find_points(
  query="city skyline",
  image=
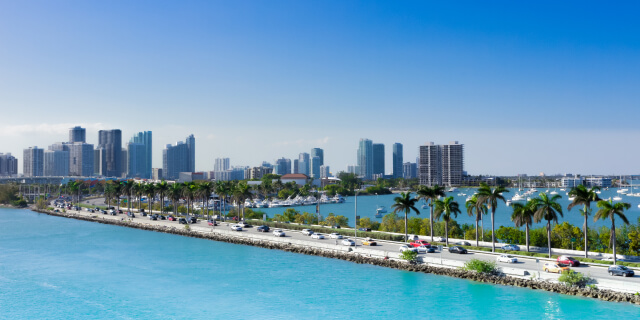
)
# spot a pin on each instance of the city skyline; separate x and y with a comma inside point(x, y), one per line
point(255, 81)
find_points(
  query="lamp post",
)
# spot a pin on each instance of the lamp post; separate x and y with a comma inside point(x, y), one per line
point(355, 217)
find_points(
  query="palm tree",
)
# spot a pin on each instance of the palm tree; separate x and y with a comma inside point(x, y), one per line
point(117, 192)
point(490, 197)
point(221, 189)
point(150, 191)
point(175, 193)
point(241, 192)
point(162, 187)
point(206, 188)
point(189, 192)
point(610, 210)
point(138, 190)
point(430, 194)
point(127, 189)
point(405, 203)
point(523, 216)
point(74, 187)
point(548, 209)
point(444, 209)
point(475, 209)
point(109, 192)
point(584, 196)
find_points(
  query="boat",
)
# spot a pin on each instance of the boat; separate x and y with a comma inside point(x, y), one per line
point(378, 215)
point(517, 197)
point(337, 199)
point(508, 203)
point(617, 198)
point(452, 189)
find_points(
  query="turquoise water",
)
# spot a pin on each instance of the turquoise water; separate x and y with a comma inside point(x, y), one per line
point(367, 208)
point(58, 268)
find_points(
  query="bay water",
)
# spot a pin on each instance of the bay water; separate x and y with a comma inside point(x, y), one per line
point(58, 268)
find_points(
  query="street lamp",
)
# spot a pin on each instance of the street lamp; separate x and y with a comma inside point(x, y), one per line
point(355, 216)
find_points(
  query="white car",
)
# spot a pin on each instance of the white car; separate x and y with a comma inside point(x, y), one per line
point(335, 236)
point(462, 243)
point(236, 227)
point(439, 239)
point(317, 236)
point(307, 232)
point(511, 247)
point(278, 233)
point(406, 247)
point(507, 258)
point(421, 249)
point(348, 242)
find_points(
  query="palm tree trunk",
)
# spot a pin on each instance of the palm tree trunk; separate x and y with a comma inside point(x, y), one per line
point(406, 236)
point(527, 235)
point(446, 232)
point(613, 237)
point(549, 236)
point(477, 243)
point(481, 228)
point(431, 217)
point(493, 233)
point(586, 230)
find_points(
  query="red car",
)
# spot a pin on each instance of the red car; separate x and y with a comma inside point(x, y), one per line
point(171, 218)
point(568, 261)
point(419, 243)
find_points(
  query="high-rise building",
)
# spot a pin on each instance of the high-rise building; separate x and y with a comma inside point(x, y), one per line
point(304, 163)
point(378, 158)
point(221, 164)
point(365, 159)
point(81, 159)
point(325, 172)
point(409, 170)
point(282, 167)
point(111, 158)
point(33, 162)
point(77, 134)
point(56, 163)
point(125, 162)
point(145, 138)
point(136, 160)
point(441, 164)
point(157, 174)
point(352, 169)
point(296, 164)
point(191, 148)
point(178, 158)
point(317, 160)
point(8, 165)
point(315, 167)
point(397, 160)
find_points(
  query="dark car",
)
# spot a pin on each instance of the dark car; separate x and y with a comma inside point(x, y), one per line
point(161, 217)
point(457, 249)
point(263, 229)
point(182, 221)
point(144, 214)
point(142, 210)
point(365, 229)
point(212, 222)
point(193, 220)
point(153, 217)
point(568, 261)
point(171, 218)
point(131, 214)
point(119, 211)
point(431, 249)
point(620, 271)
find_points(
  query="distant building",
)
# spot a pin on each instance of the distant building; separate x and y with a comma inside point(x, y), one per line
point(315, 167)
point(256, 172)
point(296, 163)
point(409, 170)
point(157, 174)
point(56, 163)
point(317, 152)
point(325, 172)
point(365, 159)
point(110, 141)
point(282, 166)
point(191, 176)
point(598, 182)
point(144, 164)
point(81, 159)
point(77, 134)
point(8, 165)
point(33, 162)
point(352, 169)
point(221, 164)
point(378, 158)
point(397, 160)
point(178, 158)
point(441, 164)
point(304, 164)
point(299, 178)
point(137, 160)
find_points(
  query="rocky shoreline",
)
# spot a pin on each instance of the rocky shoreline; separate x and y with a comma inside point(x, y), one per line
point(606, 295)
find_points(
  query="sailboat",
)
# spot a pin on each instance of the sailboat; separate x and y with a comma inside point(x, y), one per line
point(380, 209)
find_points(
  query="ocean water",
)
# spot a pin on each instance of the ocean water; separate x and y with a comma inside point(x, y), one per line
point(367, 208)
point(57, 268)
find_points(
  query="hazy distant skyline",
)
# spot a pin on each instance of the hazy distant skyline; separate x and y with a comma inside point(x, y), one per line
point(527, 88)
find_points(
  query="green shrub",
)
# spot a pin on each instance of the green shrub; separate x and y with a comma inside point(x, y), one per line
point(409, 255)
point(572, 278)
point(481, 266)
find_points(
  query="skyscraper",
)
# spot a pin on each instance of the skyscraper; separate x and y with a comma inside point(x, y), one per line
point(317, 152)
point(296, 165)
point(221, 164)
point(8, 165)
point(137, 160)
point(441, 164)
point(146, 139)
point(111, 143)
point(33, 162)
point(397, 160)
point(77, 134)
point(315, 167)
point(378, 158)
point(365, 159)
point(178, 158)
point(56, 163)
point(282, 166)
point(81, 159)
point(304, 163)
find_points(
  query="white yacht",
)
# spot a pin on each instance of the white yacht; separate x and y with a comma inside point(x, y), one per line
point(517, 197)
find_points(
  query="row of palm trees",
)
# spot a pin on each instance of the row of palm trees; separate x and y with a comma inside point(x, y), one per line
point(544, 207)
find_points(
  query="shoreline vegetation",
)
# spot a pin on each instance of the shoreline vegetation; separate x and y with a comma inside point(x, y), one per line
point(605, 295)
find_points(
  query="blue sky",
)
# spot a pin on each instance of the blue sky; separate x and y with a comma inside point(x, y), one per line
point(528, 88)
